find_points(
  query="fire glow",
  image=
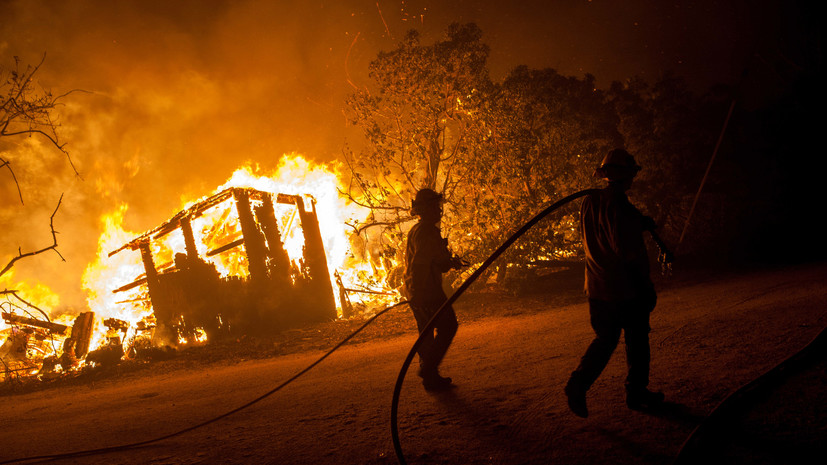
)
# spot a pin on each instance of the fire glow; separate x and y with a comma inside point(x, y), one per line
point(118, 282)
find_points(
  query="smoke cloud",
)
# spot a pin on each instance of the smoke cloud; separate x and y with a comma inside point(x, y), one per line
point(175, 96)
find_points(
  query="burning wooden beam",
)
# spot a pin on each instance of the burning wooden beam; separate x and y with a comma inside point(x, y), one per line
point(11, 318)
point(81, 334)
point(225, 247)
point(253, 239)
point(279, 261)
point(129, 286)
point(316, 260)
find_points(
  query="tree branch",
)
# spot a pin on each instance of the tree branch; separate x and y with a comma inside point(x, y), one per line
point(369, 206)
point(21, 255)
point(7, 164)
point(27, 109)
point(364, 227)
point(13, 293)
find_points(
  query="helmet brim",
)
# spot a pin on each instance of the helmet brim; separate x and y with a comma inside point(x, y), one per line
point(616, 172)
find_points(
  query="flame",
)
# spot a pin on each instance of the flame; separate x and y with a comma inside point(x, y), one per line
point(38, 294)
point(318, 184)
point(103, 275)
point(295, 175)
point(353, 265)
point(20, 352)
point(298, 176)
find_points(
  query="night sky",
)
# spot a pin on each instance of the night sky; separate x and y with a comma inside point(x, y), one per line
point(180, 93)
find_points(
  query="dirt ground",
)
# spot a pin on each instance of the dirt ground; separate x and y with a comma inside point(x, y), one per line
point(712, 332)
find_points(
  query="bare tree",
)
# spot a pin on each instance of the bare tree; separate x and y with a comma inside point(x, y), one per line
point(27, 109)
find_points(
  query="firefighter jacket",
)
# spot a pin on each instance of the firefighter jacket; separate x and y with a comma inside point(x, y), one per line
point(617, 263)
point(426, 258)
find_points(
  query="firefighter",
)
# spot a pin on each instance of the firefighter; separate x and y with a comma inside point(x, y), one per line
point(620, 292)
point(426, 258)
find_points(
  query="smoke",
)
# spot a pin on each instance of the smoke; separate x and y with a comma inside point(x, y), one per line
point(174, 97)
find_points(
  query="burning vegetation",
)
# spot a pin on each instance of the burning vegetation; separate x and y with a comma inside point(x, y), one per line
point(260, 255)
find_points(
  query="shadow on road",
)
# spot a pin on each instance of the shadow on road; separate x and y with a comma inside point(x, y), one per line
point(675, 412)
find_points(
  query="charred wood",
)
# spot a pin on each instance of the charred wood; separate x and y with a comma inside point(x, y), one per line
point(226, 247)
point(253, 239)
point(316, 261)
point(279, 261)
point(82, 333)
point(21, 320)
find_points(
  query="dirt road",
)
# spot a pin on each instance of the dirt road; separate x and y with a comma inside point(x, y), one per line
point(709, 337)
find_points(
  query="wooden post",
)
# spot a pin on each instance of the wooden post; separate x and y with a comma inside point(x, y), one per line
point(189, 239)
point(314, 257)
point(279, 261)
point(253, 239)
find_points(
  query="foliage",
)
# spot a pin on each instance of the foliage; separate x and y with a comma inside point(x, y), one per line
point(501, 151)
point(421, 123)
point(671, 131)
point(546, 127)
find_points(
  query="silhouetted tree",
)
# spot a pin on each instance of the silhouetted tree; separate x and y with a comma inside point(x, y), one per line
point(26, 109)
point(672, 132)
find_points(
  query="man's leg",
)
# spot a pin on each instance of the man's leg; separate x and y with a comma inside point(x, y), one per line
point(446, 328)
point(638, 357)
point(425, 349)
point(432, 348)
point(607, 334)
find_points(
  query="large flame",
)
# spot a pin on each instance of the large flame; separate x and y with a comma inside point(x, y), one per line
point(359, 280)
point(104, 274)
point(294, 175)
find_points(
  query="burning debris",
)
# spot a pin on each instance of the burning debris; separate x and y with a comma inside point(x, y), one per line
point(30, 347)
point(247, 260)
point(259, 289)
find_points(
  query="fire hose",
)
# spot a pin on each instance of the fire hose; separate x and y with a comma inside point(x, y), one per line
point(429, 327)
point(104, 450)
point(665, 258)
point(405, 365)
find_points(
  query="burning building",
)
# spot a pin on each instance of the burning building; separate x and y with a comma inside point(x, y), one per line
point(262, 253)
point(260, 289)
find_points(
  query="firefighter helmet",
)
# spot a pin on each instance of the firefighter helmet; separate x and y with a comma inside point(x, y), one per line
point(617, 165)
point(424, 198)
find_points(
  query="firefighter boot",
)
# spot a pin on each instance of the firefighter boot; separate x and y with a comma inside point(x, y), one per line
point(433, 381)
point(576, 394)
point(437, 383)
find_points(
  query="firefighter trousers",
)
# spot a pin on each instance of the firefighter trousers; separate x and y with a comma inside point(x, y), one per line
point(608, 319)
point(434, 344)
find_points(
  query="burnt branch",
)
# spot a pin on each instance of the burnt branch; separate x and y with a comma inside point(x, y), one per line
point(13, 293)
point(7, 164)
point(359, 229)
point(21, 255)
